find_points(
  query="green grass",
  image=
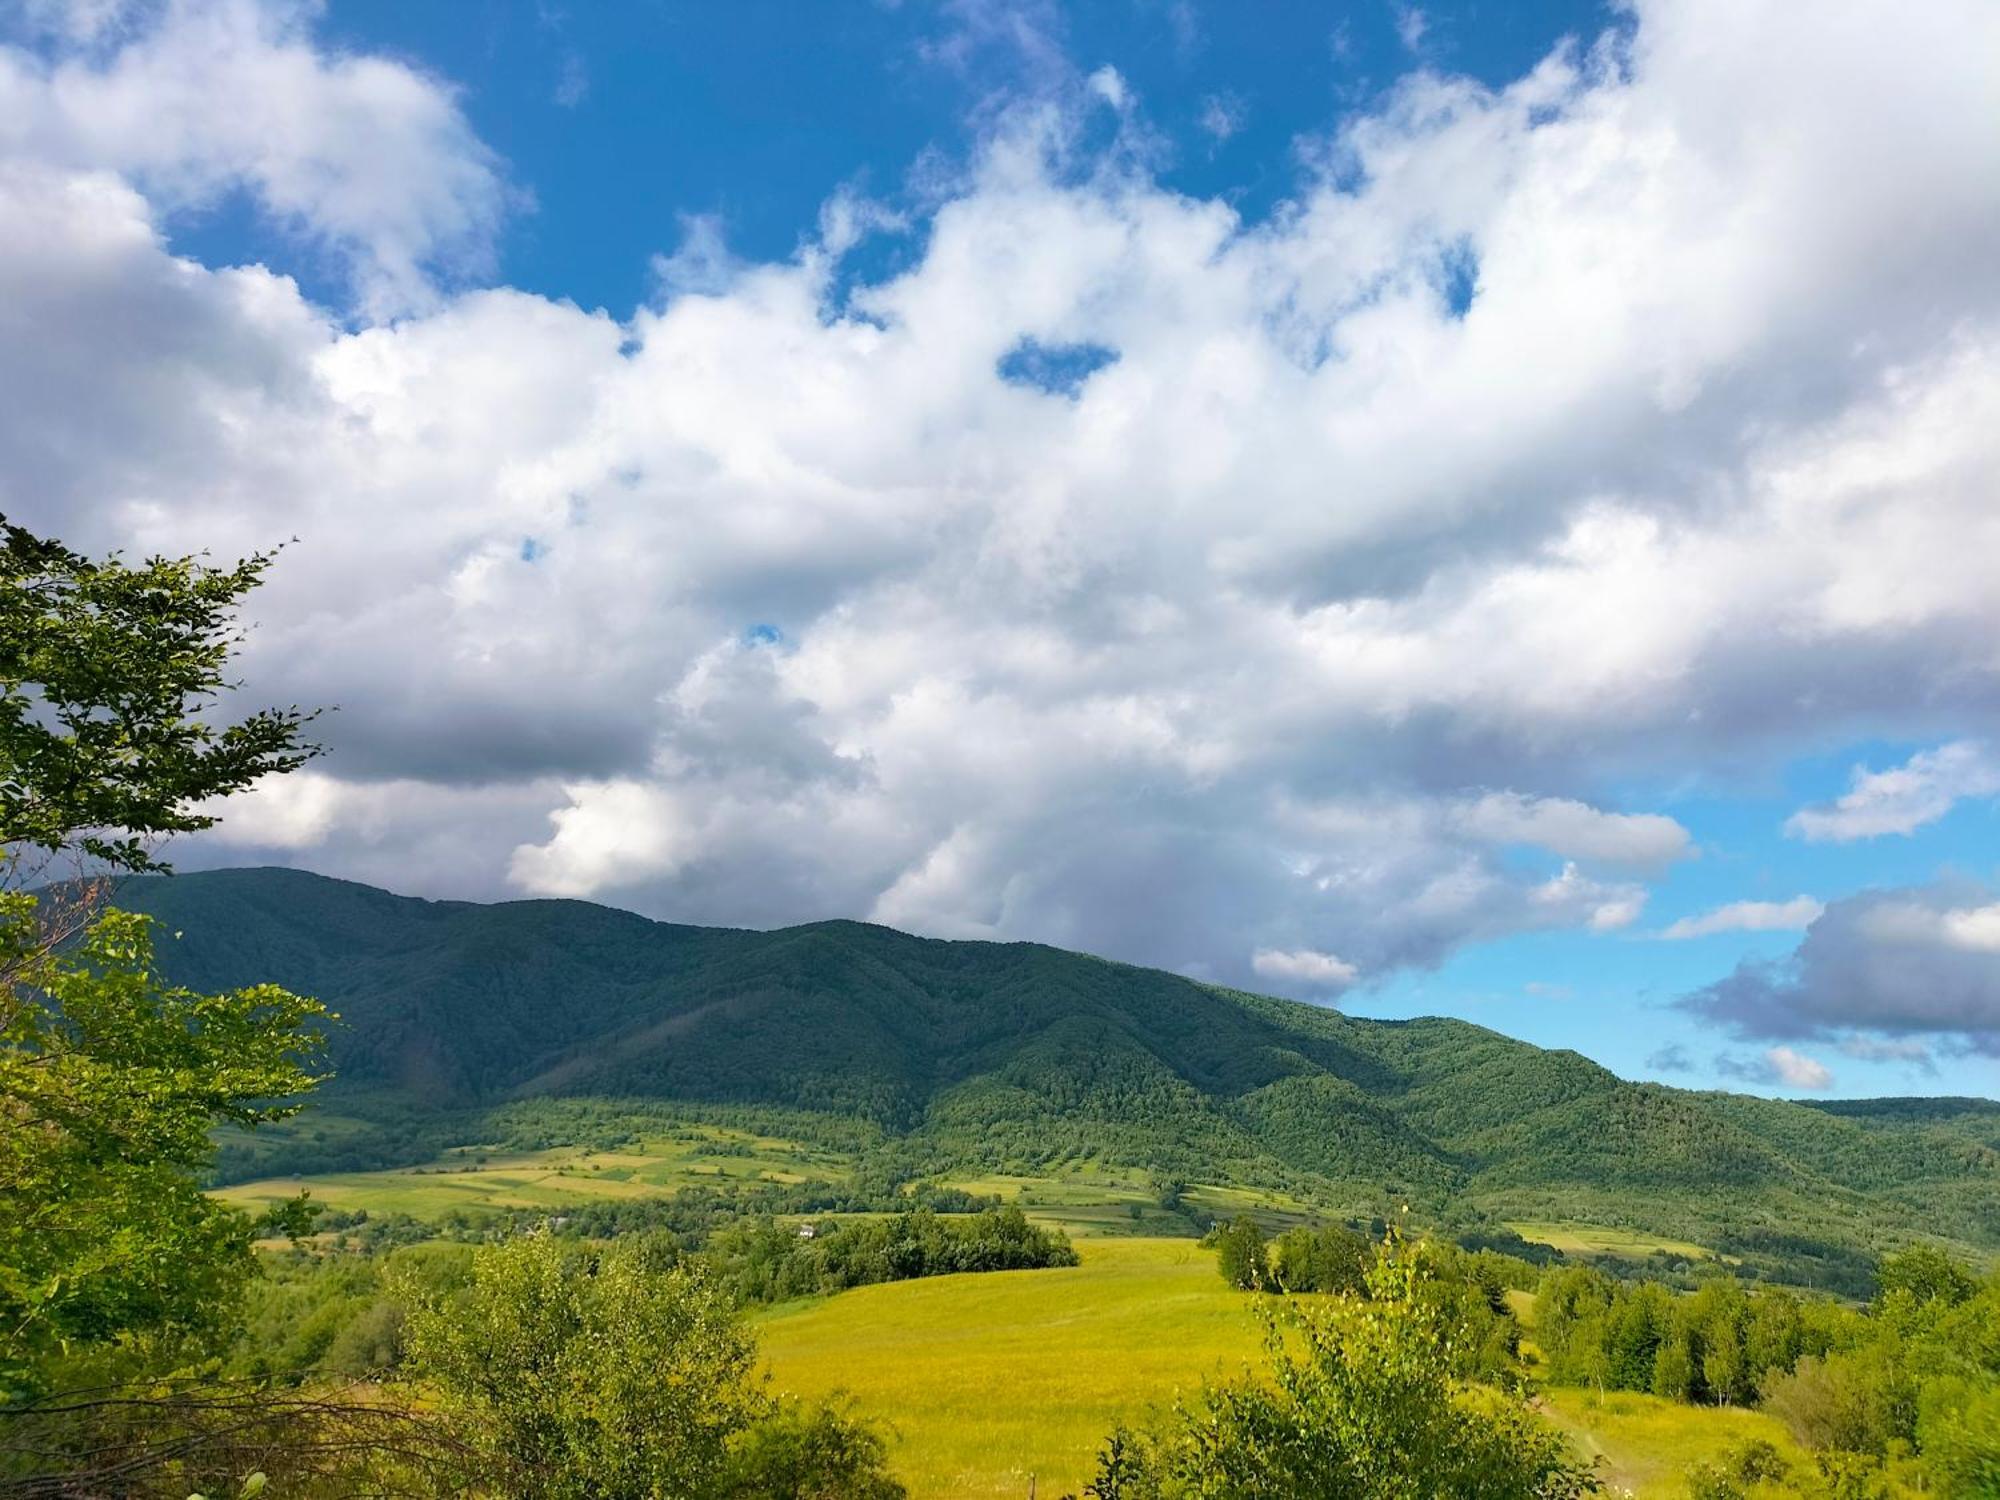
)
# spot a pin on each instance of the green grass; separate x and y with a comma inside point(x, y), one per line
point(1645, 1444)
point(1592, 1239)
point(1088, 1199)
point(988, 1380)
point(472, 1177)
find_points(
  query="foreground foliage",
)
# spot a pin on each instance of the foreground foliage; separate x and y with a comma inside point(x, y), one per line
point(1361, 1401)
point(1902, 1395)
point(107, 669)
point(583, 1373)
point(111, 1258)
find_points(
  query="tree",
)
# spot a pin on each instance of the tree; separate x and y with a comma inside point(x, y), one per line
point(1358, 1403)
point(1240, 1253)
point(114, 1267)
point(1924, 1274)
point(621, 1373)
point(108, 672)
point(110, 1082)
point(801, 1452)
point(1330, 1259)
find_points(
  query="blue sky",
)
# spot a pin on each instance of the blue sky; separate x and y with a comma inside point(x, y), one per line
point(624, 120)
point(1457, 508)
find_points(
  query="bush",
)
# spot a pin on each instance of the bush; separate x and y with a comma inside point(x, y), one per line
point(585, 1374)
point(1359, 1402)
point(807, 1453)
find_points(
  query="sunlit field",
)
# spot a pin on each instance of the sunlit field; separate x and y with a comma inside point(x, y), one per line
point(472, 1177)
point(989, 1381)
point(1590, 1239)
point(1645, 1444)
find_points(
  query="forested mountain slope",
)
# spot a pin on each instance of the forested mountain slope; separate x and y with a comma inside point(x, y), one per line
point(1013, 1055)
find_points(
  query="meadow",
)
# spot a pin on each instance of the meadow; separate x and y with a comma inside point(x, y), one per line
point(992, 1384)
point(1644, 1444)
point(1591, 1240)
point(995, 1382)
point(475, 1177)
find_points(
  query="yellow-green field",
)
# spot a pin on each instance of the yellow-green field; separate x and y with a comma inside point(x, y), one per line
point(471, 1177)
point(1590, 1239)
point(1084, 1198)
point(988, 1381)
point(1087, 1199)
point(1644, 1444)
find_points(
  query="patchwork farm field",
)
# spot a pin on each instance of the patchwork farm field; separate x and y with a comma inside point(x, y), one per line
point(475, 1177)
point(1588, 1240)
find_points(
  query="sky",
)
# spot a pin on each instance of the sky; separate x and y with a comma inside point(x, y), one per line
point(1487, 510)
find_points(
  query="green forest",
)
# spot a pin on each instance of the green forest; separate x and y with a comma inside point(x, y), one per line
point(928, 1059)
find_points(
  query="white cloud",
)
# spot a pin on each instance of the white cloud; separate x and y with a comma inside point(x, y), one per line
point(1797, 1071)
point(363, 156)
point(1290, 632)
point(1777, 1067)
point(1306, 967)
point(1968, 929)
point(1222, 115)
point(1794, 915)
point(280, 812)
point(1575, 829)
point(1904, 798)
point(1110, 86)
point(610, 831)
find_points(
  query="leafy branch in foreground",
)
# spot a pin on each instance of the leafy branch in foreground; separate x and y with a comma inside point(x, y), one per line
point(107, 669)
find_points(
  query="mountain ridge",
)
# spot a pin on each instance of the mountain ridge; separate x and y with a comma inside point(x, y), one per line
point(1011, 1055)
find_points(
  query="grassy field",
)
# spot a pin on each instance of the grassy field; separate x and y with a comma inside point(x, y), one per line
point(1088, 1199)
point(1084, 1199)
point(1590, 1239)
point(990, 1380)
point(474, 1177)
point(1644, 1444)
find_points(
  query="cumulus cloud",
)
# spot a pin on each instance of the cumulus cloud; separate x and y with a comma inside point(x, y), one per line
point(1322, 617)
point(363, 157)
point(1304, 966)
point(1904, 798)
point(1644, 841)
point(1895, 963)
point(1794, 915)
point(1777, 1067)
